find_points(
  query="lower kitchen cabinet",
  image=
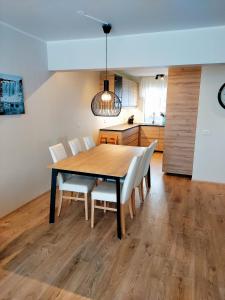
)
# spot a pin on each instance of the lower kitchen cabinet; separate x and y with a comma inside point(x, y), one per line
point(128, 137)
point(133, 135)
point(150, 133)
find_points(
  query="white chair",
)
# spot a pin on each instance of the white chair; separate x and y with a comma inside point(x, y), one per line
point(148, 161)
point(106, 191)
point(88, 142)
point(75, 146)
point(143, 170)
point(71, 183)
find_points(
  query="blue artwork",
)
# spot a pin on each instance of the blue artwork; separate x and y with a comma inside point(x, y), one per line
point(11, 95)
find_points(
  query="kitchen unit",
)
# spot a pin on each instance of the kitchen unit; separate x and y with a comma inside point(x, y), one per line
point(139, 134)
point(150, 133)
point(181, 117)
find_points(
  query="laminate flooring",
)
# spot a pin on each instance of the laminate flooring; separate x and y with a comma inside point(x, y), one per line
point(174, 247)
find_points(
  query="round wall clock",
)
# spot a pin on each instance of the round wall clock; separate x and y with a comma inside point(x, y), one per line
point(221, 96)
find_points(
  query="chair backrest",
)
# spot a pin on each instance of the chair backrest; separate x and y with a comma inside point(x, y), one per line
point(151, 150)
point(58, 153)
point(128, 184)
point(144, 164)
point(139, 174)
point(75, 146)
point(88, 142)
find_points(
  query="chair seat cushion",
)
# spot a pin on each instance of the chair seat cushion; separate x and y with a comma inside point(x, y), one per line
point(113, 180)
point(79, 184)
point(105, 191)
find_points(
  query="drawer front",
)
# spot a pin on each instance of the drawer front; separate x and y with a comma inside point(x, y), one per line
point(161, 132)
point(149, 132)
point(145, 142)
point(133, 143)
point(160, 146)
point(130, 132)
point(131, 138)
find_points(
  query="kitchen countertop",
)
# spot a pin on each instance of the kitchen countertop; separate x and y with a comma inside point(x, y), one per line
point(123, 127)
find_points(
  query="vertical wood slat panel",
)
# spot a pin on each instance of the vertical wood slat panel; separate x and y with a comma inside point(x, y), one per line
point(182, 108)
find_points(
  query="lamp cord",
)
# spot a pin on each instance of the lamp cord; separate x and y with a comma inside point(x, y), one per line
point(106, 52)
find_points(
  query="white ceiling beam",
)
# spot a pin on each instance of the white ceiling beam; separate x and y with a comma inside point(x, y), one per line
point(183, 47)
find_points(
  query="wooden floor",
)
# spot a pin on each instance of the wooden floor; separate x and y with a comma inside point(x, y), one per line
point(174, 249)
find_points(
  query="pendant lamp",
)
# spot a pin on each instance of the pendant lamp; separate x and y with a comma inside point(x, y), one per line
point(106, 103)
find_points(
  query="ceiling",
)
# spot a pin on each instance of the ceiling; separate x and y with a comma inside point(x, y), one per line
point(142, 72)
point(58, 19)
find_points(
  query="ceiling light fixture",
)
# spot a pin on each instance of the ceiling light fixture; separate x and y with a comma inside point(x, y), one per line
point(160, 76)
point(106, 103)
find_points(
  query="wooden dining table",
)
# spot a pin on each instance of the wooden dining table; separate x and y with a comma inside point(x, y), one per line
point(103, 161)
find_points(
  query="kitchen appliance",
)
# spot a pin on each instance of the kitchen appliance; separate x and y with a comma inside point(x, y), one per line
point(131, 120)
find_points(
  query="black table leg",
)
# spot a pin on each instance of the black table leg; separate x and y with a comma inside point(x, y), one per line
point(118, 208)
point(149, 177)
point(52, 199)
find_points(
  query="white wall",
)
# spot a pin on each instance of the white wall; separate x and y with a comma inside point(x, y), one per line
point(20, 175)
point(209, 157)
point(183, 47)
point(57, 108)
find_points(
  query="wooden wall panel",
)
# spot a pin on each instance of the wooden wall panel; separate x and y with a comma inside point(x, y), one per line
point(182, 107)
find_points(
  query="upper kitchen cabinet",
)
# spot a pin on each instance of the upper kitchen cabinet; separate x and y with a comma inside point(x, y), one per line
point(129, 93)
point(125, 88)
point(181, 118)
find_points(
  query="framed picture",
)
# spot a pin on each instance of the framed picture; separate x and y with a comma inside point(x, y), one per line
point(11, 95)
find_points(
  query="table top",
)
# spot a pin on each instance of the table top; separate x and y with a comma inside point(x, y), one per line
point(105, 159)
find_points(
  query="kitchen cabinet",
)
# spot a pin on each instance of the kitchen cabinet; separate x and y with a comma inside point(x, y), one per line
point(150, 133)
point(126, 89)
point(181, 117)
point(134, 135)
point(125, 134)
point(129, 93)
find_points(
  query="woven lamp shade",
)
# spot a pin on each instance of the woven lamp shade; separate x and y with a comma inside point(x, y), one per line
point(104, 108)
point(106, 103)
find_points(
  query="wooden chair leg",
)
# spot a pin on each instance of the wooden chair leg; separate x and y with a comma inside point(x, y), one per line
point(122, 212)
point(60, 202)
point(86, 206)
point(92, 213)
point(133, 202)
point(130, 208)
point(104, 206)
